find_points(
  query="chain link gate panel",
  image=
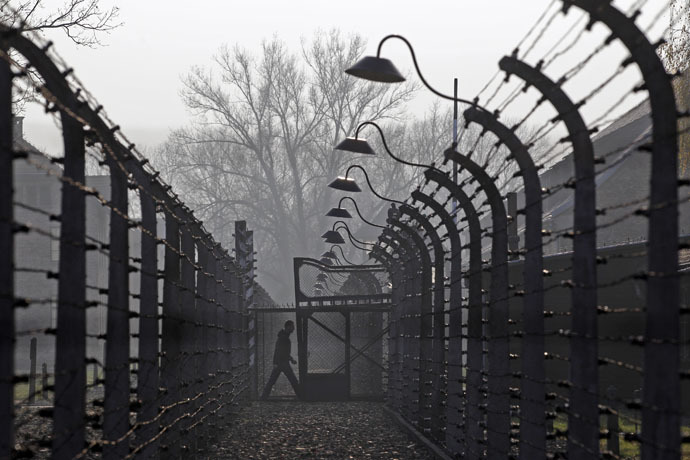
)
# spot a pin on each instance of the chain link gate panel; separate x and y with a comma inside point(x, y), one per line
point(270, 320)
point(342, 316)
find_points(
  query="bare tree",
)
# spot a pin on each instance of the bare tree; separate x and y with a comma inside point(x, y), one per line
point(261, 144)
point(83, 21)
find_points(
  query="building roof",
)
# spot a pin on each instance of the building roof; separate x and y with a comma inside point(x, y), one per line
point(615, 142)
point(40, 162)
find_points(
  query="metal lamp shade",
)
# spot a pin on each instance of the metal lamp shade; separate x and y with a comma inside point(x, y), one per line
point(326, 261)
point(321, 277)
point(354, 145)
point(346, 185)
point(376, 69)
point(335, 239)
point(339, 212)
point(318, 286)
point(329, 254)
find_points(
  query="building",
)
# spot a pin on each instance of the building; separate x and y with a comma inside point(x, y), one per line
point(37, 189)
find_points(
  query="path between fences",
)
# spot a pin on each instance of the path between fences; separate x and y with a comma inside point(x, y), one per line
point(328, 430)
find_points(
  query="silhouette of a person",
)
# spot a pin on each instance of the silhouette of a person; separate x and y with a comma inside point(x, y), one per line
point(282, 360)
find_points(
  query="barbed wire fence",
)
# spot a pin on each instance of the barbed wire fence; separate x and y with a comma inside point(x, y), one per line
point(139, 317)
point(514, 334)
point(564, 335)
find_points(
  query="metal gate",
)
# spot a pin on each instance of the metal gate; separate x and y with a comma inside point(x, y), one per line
point(342, 320)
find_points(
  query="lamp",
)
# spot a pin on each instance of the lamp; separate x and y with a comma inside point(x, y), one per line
point(329, 233)
point(340, 208)
point(376, 69)
point(347, 185)
point(339, 212)
point(355, 145)
point(335, 240)
point(344, 184)
point(382, 70)
point(326, 261)
point(318, 286)
point(329, 254)
point(321, 277)
point(333, 237)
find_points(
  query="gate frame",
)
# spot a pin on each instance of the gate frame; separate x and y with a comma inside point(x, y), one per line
point(306, 306)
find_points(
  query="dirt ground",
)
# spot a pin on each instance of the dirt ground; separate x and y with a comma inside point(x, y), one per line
point(294, 430)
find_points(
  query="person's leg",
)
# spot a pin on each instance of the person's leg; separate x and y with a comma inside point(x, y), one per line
point(271, 381)
point(290, 374)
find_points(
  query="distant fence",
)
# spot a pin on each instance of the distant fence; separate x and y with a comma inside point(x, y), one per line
point(137, 316)
point(583, 354)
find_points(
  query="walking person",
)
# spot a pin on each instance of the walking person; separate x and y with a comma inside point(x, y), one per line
point(281, 361)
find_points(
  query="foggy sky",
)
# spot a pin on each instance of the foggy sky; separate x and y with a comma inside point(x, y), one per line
point(136, 76)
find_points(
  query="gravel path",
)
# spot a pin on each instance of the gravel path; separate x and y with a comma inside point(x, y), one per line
point(294, 430)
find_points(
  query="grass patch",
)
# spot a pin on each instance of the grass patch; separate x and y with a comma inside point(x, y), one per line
point(21, 390)
point(628, 449)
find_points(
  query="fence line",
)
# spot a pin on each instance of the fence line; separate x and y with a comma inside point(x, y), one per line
point(543, 395)
point(173, 369)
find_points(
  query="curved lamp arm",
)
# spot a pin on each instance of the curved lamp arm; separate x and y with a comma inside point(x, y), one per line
point(419, 72)
point(340, 205)
point(388, 151)
point(352, 238)
point(342, 253)
point(366, 176)
point(355, 242)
